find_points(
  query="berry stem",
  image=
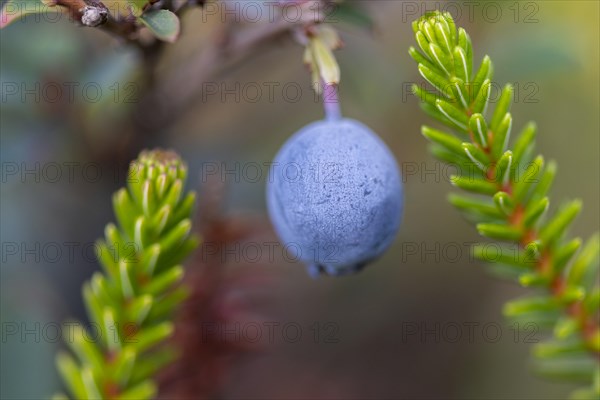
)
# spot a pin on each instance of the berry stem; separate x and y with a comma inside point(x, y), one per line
point(331, 102)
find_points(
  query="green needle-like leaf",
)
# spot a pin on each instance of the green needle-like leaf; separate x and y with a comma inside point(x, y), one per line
point(557, 226)
point(512, 202)
point(132, 302)
point(502, 107)
point(443, 139)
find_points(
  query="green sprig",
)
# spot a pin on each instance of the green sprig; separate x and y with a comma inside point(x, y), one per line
point(131, 303)
point(511, 202)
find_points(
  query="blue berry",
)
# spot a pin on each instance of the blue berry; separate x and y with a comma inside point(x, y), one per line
point(334, 196)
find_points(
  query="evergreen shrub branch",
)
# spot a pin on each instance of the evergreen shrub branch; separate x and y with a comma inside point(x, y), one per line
point(130, 303)
point(509, 202)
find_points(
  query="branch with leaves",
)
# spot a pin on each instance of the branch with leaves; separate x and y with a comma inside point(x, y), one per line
point(131, 303)
point(172, 93)
point(122, 18)
point(510, 201)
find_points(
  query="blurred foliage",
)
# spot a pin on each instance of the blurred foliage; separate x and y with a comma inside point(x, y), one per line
point(132, 304)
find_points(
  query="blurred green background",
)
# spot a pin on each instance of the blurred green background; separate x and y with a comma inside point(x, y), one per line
point(548, 49)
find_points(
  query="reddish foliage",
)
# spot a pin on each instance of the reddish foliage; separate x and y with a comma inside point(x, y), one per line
point(222, 290)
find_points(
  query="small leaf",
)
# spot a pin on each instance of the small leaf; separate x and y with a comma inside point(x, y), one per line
point(594, 340)
point(565, 327)
point(475, 185)
point(330, 37)
point(524, 145)
point(167, 304)
point(456, 159)
point(535, 211)
point(433, 112)
point(150, 259)
point(476, 155)
point(460, 92)
point(442, 59)
point(164, 281)
point(564, 253)
point(149, 202)
point(107, 258)
point(587, 259)
point(85, 349)
point(425, 95)
point(143, 391)
point(556, 348)
point(173, 194)
point(124, 365)
point(112, 338)
point(125, 210)
point(500, 232)
point(529, 304)
point(450, 27)
point(151, 336)
point(93, 307)
point(162, 23)
point(485, 73)
point(91, 385)
point(69, 370)
point(592, 301)
point(483, 97)
point(556, 227)
point(443, 139)
point(501, 136)
point(479, 129)
point(545, 182)
point(528, 179)
point(161, 183)
point(126, 279)
point(533, 279)
point(329, 69)
point(184, 208)
point(504, 168)
point(461, 67)
point(443, 36)
point(464, 42)
point(102, 289)
point(454, 117)
point(502, 107)
point(436, 80)
point(176, 235)
point(504, 203)
point(181, 252)
point(423, 43)
point(140, 233)
point(468, 204)
point(571, 294)
point(135, 180)
point(428, 31)
point(159, 222)
point(149, 365)
point(578, 368)
point(503, 254)
point(139, 308)
point(114, 239)
point(420, 58)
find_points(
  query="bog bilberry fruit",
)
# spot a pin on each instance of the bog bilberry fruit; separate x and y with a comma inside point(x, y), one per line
point(334, 196)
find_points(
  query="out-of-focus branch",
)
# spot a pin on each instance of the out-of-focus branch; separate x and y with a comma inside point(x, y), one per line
point(176, 92)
